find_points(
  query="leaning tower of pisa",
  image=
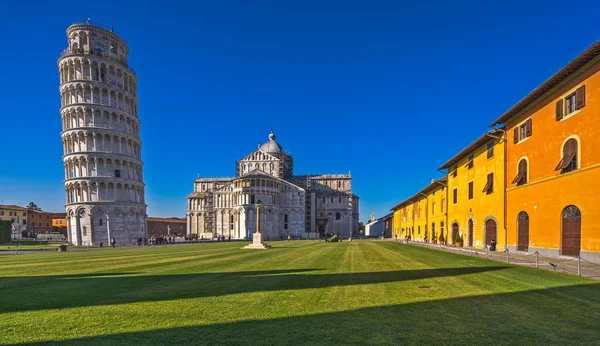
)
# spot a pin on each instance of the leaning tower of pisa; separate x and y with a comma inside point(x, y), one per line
point(101, 138)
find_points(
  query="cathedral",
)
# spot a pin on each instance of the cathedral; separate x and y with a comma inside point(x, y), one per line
point(300, 206)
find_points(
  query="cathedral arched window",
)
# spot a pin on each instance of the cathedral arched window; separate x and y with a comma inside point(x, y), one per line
point(338, 216)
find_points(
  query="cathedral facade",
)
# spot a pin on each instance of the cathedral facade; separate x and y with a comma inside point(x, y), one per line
point(300, 206)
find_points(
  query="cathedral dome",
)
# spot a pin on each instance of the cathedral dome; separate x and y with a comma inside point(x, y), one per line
point(272, 146)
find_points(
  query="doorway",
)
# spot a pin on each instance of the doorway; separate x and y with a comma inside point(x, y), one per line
point(470, 233)
point(523, 231)
point(490, 231)
point(571, 231)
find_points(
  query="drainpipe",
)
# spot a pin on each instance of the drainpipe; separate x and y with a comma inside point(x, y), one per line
point(503, 138)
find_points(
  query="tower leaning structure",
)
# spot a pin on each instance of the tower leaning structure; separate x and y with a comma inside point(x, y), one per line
point(104, 182)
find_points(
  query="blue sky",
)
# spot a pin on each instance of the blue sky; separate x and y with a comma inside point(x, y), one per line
point(388, 90)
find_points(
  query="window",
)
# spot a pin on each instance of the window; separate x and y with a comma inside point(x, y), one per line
point(285, 226)
point(339, 199)
point(568, 162)
point(470, 190)
point(489, 185)
point(47, 216)
point(455, 196)
point(571, 103)
point(285, 218)
point(443, 205)
point(39, 216)
point(2, 212)
point(419, 230)
point(490, 150)
point(252, 199)
point(338, 216)
point(331, 199)
point(47, 224)
point(84, 230)
point(470, 163)
point(100, 222)
point(24, 214)
point(24, 222)
point(523, 131)
point(39, 224)
point(454, 169)
point(521, 177)
point(433, 208)
point(117, 173)
point(323, 199)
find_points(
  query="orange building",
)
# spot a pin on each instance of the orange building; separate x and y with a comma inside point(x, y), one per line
point(553, 163)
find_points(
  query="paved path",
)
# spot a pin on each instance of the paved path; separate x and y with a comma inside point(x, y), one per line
point(561, 264)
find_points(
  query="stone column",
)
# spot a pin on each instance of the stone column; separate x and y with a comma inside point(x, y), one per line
point(258, 218)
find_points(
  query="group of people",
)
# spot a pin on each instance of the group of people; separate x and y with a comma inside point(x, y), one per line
point(222, 238)
point(162, 239)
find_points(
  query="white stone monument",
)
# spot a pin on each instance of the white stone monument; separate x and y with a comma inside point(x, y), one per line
point(257, 240)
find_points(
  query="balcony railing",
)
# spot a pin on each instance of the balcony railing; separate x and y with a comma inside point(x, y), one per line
point(96, 52)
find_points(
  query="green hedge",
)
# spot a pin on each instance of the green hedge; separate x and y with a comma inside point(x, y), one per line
point(4, 231)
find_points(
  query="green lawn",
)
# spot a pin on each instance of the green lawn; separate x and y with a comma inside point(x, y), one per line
point(362, 292)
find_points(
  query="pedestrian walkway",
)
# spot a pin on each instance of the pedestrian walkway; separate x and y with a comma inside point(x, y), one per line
point(563, 264)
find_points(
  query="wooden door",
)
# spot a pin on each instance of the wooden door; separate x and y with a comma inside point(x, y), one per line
point(454, 233)
point(523, 231)
point(470, 236)
point(571, 231)
point(490, 231)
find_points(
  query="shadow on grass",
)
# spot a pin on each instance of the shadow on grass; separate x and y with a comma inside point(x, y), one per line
point(556, 316)
point(31, 293)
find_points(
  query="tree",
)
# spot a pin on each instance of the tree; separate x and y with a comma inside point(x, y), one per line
point(33, 206)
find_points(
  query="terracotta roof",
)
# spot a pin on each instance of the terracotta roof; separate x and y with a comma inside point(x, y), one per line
point(165, 219)
point(588, 55)
point(472, 147)
point(13, 207)
point(419, 195)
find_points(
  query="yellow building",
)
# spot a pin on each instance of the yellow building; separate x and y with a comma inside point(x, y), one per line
point(422, 217)
point(476, 192)
point(14, 214)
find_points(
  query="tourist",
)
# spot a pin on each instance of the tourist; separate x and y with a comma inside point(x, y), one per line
point(492, 245)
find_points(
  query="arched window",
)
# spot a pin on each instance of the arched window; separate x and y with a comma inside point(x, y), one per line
point(569, 159)
point(521, 177)
point(433, 208)
point(338, 216)
point(340, 199)
point(571, 212)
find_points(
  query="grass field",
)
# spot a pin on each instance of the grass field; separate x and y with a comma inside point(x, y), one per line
point(363, 292)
